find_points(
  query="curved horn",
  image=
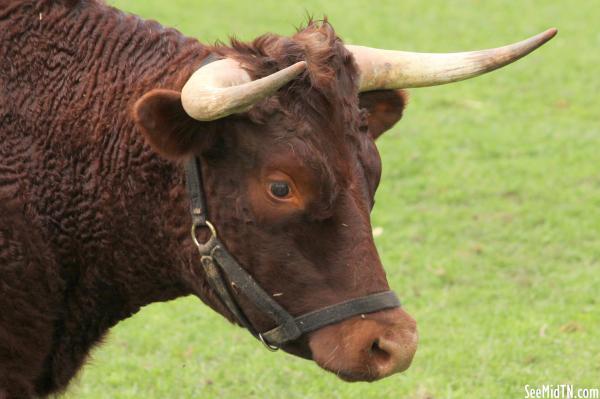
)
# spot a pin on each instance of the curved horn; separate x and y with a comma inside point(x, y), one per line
point(223, 88)
point(388, 69)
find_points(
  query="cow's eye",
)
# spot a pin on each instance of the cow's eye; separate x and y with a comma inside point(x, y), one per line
point(280, 189)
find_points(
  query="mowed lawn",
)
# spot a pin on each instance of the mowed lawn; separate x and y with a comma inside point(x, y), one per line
point(489, 208)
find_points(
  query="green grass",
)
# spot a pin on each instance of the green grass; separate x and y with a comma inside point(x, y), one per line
point(489, 204)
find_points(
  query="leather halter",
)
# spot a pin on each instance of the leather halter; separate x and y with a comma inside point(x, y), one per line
point(224, 273)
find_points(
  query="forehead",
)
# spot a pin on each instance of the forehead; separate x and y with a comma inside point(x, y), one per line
point(312, 131)
point(326, 94)
point(323, 119)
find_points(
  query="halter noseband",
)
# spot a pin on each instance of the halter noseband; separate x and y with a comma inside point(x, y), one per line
point(218, 262)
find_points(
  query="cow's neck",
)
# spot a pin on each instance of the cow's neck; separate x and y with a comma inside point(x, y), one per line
point(112, 215)
point(121, 225)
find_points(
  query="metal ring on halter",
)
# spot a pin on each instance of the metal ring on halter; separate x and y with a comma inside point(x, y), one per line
point(271, 348)
point(212, 229)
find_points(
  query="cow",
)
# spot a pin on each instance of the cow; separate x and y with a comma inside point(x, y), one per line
point(99, 113)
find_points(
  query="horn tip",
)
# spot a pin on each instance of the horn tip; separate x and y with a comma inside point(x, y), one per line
point(549, 34)
point(541, 38)
point(300, 65)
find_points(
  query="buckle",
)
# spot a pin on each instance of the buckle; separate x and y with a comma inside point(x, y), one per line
point(271, 348)
point(202, 247)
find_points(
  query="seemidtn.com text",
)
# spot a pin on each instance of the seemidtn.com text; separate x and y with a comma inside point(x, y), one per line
point(560, 391)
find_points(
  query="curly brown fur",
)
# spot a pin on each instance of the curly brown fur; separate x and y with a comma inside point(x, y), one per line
point(77, 176)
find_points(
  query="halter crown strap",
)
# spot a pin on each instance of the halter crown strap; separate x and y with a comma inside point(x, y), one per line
point(194, 186)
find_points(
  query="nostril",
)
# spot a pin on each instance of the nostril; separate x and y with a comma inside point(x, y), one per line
point(381, 355)
point(389, 356)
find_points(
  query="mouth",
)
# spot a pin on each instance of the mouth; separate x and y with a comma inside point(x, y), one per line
point(355, 377)
point(301, 349)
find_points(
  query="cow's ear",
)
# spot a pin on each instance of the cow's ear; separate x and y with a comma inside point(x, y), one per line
point(170, 131)
point(385, 108)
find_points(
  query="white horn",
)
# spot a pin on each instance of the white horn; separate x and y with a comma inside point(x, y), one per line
point(223, 88)
point(388, 69)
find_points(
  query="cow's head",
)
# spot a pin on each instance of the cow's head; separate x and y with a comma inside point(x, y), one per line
point(285, 129)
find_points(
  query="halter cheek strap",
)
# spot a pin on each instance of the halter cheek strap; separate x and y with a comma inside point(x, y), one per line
point(224, 274)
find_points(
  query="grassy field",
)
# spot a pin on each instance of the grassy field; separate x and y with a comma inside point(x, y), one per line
point(489, 205)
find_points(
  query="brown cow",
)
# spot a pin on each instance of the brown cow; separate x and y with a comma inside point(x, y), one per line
point(95, 225)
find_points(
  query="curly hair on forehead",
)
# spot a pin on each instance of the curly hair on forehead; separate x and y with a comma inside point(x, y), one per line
point(316, 43)
point(329, 84)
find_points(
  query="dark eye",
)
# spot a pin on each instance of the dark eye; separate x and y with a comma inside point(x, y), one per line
point(280, 189)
